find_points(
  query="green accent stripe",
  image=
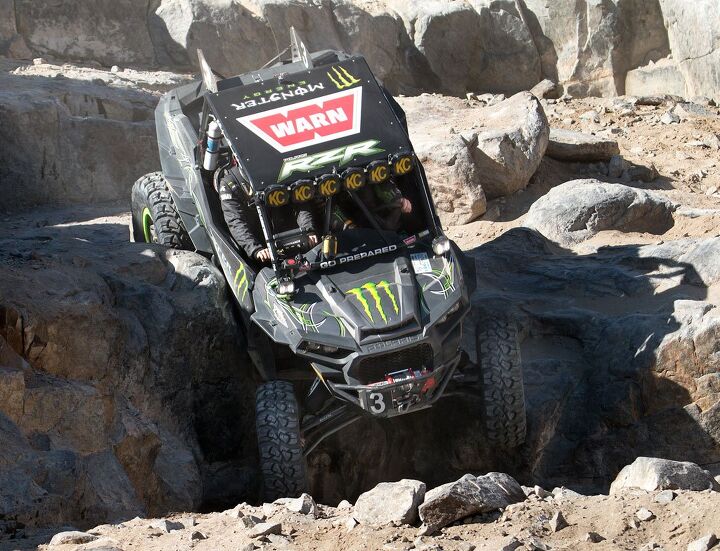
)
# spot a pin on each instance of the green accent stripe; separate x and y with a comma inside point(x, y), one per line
point(147, 223)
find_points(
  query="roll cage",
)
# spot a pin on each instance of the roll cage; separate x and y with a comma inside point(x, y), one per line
point(325, 184)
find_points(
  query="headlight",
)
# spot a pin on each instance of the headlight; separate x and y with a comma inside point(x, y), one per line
point(441, 245)
point(286, 287)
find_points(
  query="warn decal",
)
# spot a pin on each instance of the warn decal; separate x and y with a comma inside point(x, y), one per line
point(309, 122)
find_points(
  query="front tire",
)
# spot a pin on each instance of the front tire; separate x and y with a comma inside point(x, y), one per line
point(277, 420)
point(501, 379)
point(155, 218)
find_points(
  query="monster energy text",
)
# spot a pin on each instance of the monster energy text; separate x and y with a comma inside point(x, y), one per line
point(278, 93)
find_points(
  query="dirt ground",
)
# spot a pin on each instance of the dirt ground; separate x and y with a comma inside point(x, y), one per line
point(674, 525)
point(688, 172)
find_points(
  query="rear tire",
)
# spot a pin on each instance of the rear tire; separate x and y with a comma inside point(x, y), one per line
point(277, 420)
point(501, 379)
point(154, 216)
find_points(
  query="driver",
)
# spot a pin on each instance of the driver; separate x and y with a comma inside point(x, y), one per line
point(244, 223)
point(385, 202)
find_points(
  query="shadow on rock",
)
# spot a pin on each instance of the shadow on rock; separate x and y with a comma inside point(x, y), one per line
point(124, 386)
point(620, 360)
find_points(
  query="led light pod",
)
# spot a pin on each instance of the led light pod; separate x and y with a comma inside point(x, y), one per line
point(353, 178)
point(302, 191)
point(378, 172)
point(441, 245)
point(328, 184)
point(277, 196)
point(401, 163)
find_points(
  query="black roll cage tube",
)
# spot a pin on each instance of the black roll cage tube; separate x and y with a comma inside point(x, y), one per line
point(282, 272)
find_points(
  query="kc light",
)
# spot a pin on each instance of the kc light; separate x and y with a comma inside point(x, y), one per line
point(378, 172)
point(302, 191)
point(277, 196)
point(441, 245)
point(354, 178)
point(401, 163)
point(286, 287)
point(328, 185)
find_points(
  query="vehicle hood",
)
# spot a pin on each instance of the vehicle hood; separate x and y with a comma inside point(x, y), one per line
point(361, 302)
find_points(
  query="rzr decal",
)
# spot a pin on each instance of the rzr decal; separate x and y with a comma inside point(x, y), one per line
point(309, 122)
point(370, 291)
point(341, 78)
point(340, 156)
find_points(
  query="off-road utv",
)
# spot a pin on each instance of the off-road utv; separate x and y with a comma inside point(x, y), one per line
point(366, 322)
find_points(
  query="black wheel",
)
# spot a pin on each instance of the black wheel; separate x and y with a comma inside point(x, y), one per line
point(501, 378)
point(154, 216)
point(277, 419)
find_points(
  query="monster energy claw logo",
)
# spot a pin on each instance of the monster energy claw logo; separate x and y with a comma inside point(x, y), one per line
point(372, 293)
point(342, 78)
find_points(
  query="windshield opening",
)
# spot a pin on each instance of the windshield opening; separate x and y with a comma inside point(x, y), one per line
point(314, 229)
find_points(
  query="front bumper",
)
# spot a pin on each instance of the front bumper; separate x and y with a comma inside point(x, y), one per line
point(403, 392)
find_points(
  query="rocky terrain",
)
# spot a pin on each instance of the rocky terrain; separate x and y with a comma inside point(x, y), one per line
point(653, 505)
point(125, 388)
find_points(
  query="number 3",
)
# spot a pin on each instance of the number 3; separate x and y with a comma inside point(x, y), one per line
point(378, 405)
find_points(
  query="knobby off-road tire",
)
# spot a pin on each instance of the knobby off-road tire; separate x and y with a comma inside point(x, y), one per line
point(154, 216)
point(502, 381)
point(277, 419)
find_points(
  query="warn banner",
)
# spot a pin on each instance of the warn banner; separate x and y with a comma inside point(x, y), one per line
point(308, 123)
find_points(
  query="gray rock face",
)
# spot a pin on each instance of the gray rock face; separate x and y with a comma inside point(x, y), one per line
point(110, 354)
point(482, 46)
point(390, 503)
point(577, 210)
point(568, 145)
point(651, 473)
point(81, 138)
point(468, 496)
point(694, 36)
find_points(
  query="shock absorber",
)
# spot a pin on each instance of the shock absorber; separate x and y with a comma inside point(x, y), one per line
point(214, 135)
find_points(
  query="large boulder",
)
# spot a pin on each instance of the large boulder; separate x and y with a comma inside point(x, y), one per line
point(111, 357)
point(577, 210)
point(390, 503)
point(651, 473)
point(68, 135)
point(468, 496)
point(478, 152)
point(663, 77)
point(481, 46)
point(568, 145)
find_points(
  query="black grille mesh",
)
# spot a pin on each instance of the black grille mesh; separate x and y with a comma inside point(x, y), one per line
point(374, 368)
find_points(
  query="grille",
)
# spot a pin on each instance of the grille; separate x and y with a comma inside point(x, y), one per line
point(374, 368)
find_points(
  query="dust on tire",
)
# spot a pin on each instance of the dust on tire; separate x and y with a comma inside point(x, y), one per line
point(277, 420)
point(501, 381)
